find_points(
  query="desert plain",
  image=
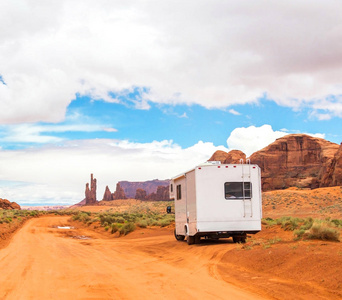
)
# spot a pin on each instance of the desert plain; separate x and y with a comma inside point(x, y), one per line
point(53, 256)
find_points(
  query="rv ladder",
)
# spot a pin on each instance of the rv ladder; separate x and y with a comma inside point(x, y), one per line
point(246, 189)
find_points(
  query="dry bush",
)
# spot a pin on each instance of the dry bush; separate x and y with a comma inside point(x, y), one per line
point(321, 231)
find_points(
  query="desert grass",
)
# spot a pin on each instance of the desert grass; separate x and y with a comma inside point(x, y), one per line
point(17, 216)
point(143, 215)
point(14, 215)
point(308, 228)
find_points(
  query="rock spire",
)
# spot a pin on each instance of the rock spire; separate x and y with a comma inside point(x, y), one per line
point(90, 194)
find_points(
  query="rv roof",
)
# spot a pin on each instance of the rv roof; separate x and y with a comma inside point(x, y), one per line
point(205, 164)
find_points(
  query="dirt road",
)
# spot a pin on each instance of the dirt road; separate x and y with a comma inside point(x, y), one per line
point(46, 262)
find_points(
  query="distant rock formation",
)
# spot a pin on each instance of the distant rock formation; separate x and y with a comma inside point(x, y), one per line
point(90, 194)
point(154, 192)
point(107, 196)
point(149, 186)
point(140, 194)
point(294, 160)
point(81, 203)
point(162, 194)
point(5, 204)
point(119, 192)
point(232, 157)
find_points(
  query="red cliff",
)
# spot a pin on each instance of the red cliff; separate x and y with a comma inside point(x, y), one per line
point(295, 160)
point(232, 157)
point(333, 174)
point(5, 204)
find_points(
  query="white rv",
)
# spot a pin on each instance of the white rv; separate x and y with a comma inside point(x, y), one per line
point(216, 200)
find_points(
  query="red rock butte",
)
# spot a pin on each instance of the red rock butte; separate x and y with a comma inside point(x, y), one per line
point(5, 204)
point(294, 160)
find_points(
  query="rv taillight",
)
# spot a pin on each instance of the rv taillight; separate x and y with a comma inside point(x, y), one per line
point(226, 166)
point(234, 166)
point(219, 166)
point(253, 167)
point(199, 168)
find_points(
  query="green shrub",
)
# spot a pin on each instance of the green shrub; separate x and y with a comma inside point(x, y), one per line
point(269, 222)
point(127, 228)
point(338, 223)
point(288, 223)
point(82, 217)
point(120, 220)
point(307, 224)
point(8, 220)
point(142, 223)
point(164, 222)
point(114, 228)
point(299, 233)
point(34, 213)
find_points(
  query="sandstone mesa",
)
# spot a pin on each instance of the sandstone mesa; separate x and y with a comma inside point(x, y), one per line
point(5, 204)
point(295, 160)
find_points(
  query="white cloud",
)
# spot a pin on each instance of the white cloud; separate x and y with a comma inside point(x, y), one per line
point(184, 115)
point(58, 174)
point(34, 133)
point(214, 53)
point(252, 139)
point(107, 129)
point(234, 112)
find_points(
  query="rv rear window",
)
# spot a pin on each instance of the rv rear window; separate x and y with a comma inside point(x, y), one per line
point(179, 192)
point(238, 190)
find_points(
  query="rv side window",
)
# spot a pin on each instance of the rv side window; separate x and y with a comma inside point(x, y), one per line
point(171, 188)
point(179, 192)
point(238, 190)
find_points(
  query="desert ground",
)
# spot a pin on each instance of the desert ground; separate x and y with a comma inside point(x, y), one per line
point(44, 259)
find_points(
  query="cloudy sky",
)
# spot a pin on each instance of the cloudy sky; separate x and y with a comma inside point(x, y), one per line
point(138, 90)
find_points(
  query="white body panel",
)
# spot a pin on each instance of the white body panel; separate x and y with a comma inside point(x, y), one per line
point(206, 207)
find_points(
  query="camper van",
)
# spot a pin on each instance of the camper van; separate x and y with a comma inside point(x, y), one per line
point(216, 200)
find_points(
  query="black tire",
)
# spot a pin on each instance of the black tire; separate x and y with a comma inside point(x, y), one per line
point(239, 239)
point(179, 237)
point(236, 239)
point(190, 239)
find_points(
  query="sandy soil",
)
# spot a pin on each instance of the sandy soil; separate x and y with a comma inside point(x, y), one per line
point(44, 262)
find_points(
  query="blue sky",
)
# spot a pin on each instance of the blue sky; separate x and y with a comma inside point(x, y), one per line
point(143, 90)
point(185, 125)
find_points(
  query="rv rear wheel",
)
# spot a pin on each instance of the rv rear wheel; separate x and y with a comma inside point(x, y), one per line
point(190, 239)
point(179, 237)
point(239, 239)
